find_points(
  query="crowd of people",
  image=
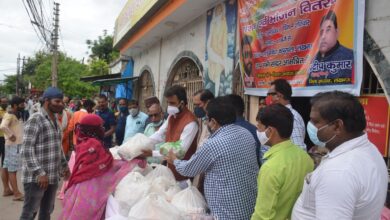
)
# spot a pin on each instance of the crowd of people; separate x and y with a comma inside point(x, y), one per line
point(244, 171)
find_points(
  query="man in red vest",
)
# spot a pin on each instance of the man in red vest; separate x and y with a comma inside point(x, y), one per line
point(181, 125)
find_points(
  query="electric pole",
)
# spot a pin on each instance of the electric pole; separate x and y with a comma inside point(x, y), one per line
point(17, 74)
point(54, 68)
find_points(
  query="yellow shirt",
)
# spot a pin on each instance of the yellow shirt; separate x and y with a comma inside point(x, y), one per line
point(11, 125)
point(2, 113)
point(280, 181)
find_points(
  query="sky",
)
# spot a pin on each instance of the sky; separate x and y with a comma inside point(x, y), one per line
point(79, 20)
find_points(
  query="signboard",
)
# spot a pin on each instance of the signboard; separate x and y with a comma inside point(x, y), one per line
point(220, 47)
point(377, 117)
point(316, 45)
point(133, 11)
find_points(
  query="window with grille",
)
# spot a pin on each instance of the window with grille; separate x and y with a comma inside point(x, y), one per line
point(370, 84)
point(187, 74)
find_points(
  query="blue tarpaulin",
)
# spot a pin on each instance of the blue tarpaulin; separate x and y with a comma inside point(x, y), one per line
point(123, 91)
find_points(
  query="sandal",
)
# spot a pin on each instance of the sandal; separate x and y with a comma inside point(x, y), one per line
point(8, 193)
point(19, 198)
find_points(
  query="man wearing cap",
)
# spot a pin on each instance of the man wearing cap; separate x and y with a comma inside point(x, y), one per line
point(43, 160)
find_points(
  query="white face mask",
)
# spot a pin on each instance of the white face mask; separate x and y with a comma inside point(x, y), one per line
point(172, 110)
point(262, 136)
point(133, 112)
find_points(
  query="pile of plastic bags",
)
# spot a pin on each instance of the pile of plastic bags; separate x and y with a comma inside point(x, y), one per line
point(155, 195)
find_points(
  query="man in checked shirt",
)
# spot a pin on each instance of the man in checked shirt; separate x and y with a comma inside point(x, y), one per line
point(43, 161)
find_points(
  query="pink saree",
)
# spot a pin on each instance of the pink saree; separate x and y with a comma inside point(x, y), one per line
point(88, 199)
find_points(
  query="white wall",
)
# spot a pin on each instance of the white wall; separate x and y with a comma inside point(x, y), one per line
point(192, 38)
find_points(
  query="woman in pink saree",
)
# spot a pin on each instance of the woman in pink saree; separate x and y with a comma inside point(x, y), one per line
point(95, 173)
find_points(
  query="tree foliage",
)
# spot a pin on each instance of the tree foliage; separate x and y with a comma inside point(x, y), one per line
point(102, 48)
point(69, 73)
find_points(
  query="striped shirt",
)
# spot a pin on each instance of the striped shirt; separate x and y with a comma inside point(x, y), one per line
point(228, 159)
point(41, 150)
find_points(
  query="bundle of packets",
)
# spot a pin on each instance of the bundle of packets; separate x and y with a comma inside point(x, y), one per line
point(175, 147)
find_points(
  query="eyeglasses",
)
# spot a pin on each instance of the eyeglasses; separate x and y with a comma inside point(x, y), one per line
point(154, 115)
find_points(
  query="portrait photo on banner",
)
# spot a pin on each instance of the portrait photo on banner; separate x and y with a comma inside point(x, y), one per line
point(220, 47)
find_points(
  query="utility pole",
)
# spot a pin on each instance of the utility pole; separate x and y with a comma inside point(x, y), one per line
point(17, 74)
point(54, 68)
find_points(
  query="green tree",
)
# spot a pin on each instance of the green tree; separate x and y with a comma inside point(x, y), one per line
point(102, 48)
point(69, 73)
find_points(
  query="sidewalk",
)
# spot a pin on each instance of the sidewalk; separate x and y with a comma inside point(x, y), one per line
point(11, 210)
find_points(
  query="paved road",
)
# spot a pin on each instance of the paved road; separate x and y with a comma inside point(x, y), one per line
point(10, 210)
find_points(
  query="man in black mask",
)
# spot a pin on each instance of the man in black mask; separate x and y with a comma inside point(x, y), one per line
point(200, 100)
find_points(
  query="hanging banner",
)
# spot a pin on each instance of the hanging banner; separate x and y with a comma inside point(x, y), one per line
point(377, 113)
point(316, 45)
point(220, 47)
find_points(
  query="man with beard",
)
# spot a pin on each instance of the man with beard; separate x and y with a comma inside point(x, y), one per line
point(42, 158)
point(246, 53)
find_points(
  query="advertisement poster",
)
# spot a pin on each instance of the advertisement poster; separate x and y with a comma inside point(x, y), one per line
point(377, 117)
point(220, 47)
point(316, 45)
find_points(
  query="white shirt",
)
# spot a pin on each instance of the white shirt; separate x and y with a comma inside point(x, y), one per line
point(350, 183)
point(186, 137)
point(299, 129)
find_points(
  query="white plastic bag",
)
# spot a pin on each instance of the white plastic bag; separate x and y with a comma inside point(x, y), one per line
point(114, 152)
point(130, 190)
point(165, 187)
point(112, 210)
point(133, 147)
point(143, 171)
point(160, 170)
point(154, 207)
point(190, 200)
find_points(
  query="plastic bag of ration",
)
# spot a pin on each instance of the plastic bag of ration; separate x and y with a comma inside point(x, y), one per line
point(112, 210)
point(114, 152)
point(175, 147)
point(133, 147)
point(154, 207)
point(165, 187)
point(159, 171)
point(190, 200)
point(130, 190)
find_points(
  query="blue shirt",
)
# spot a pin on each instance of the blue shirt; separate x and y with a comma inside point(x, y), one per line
point(135, 125)
point(228, 160)
point(252, 129)
point(109, 120)
point(120, 127)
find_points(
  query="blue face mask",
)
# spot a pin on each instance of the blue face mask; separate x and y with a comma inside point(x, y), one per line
point(313, 134)
point(199, 112)
point(123, 109)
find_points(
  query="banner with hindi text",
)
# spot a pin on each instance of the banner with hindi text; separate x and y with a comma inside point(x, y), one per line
point(316, 45)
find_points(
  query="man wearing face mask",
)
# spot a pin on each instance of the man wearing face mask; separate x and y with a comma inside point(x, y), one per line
point(351, 180)
point(200, 100)
point(109, 120)
point(280, 92)
point(135, 122)
point(156, 117)
point(281, 177)
point(228, 160)
point(121, 120)
point(180, 125)
point(12, 126)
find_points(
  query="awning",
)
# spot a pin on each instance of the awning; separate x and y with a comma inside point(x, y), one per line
point(115, 81)
point(101, 77)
